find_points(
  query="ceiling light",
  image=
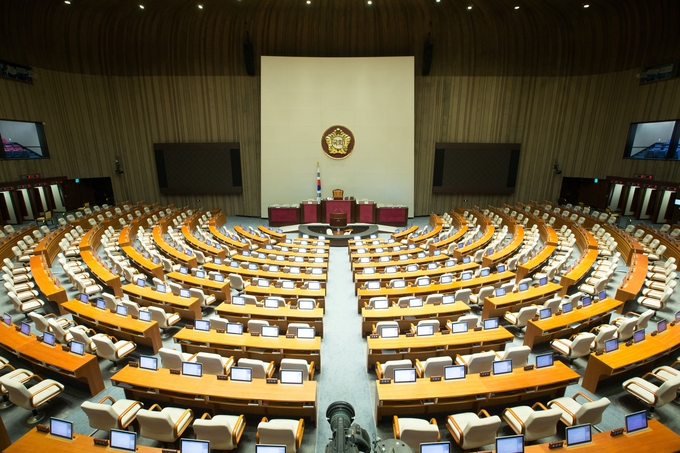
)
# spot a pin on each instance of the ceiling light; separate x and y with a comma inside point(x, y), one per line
point(141, 6)
point(68, 2)
point(516, 7)
point(585, 5)
point(438, 1)
point(309, 2)
point(370, 2)
point(470, 7)
point(200, 6)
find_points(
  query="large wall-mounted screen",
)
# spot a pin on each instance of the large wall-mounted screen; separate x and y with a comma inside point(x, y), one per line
point(23, 140)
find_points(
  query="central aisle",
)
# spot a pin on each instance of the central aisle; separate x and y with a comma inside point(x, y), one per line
point(344, 375)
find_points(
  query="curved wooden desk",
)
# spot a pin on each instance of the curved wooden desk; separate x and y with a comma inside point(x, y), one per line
point(497, 306)
point(170, 251)
point(420, 261)
point(218, 289)
point(281, 316)
point(279, 235)
point(249, 274)
point(403, 233)
point(46, 283)
point(407, 316)
point(186, 307)
point(434, 274)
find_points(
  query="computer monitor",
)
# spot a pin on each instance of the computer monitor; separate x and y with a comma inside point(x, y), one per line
point(160, 288)
point(238, 300)
point(404, 375)
point(361, 251)
point(445, 279)
point(611, 345)
point(450, 263)
point(454, 372)
point(233, 264)
point(234, 328)
point(523, 287)
point(567, 308)
point(500, 292)
point(217, 260)
point(661, 326)
point(461, 244)
point(459, 327)
point(271, 303)
point(602, 295)
point(219, 278)
point(502, 367)
point(381, 304)
point(145, 315)
point(415, 302)
point(365, 259)
point(545, 313)
point(315, 286)
point(7, 319)
point(270, 449)
point(101, 304)
point(121, 310)
point(261, 256)
point(194, 446)
point(288, 284)
point(485, 272)
point(202, 324)
point(412, 267)
point(148, 363)
point(586, 301)
point(466, 276)
point(269, 331)
point(123, 440)
point(398, 284)
point(544, 360)
point(543, 281)
point(448, 299)
point(426, 330)
point(306, 304)
point(253, 267)
point(391, 270)
point(184, 293)
point(290, 377)
point(435, 447)
point(48, 338)
point(389, 332)
point(192, 369)
point(578, 435)
point(421, 255)
point(510, 444)
point(200, 274)
point(84, 298)
point(489, 252)
point(437, 252)
point(189, 252)
point(25, 328)
point(61, 428)
point(638, 335)
point(241, 374)
point(273, 268)
point(369, 271)
point(490, 323)
point(677, 316)
point(500, 268)
point(466, 259)
point(183, 270)
point(636, 421)
point(77, 347)
point(306, 333)
point(294, 270)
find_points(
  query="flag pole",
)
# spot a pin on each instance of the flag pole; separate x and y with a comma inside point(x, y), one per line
point(318, 183)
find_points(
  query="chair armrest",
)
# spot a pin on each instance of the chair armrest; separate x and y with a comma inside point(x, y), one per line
point(311, 370)
point(419, 368)
point(237, 429)
point(458, 356)
point(270, 369)
point(33, 394)
point(129, 408)
point(583, 395)
point(632, 314)
point(483, 413)
point(413, 328)
point(539, 405)
point(509, 410)
point(379, 372)
point(107, 397)
point(555, 403)
point(498, 355)
point(33, 376)
point(156, 407)
point(458, 435)
point(395, 427)
point(298, 433)
point(206, 415)
point(650, 390)
point(176, 428)
point(114, 339)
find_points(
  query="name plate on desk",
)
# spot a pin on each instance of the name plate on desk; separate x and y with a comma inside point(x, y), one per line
point(375, 335)
point(478, 328)
point(446, 332)
point(101, 442)
point(221, 377)
point(553, 445)
point(189, 327)
point(485, 373)
point(435, 378)
point(254, 334)
point(290, 335)
point(599, 352)
point(616, 432)
point(368, 307)
point(385, 381)
point(272, 381)
point(220, 331)
point(174, 371)
point(64, 347)
point(410, 334)
point(528, 367)
point(133, 364)
point(43, 428)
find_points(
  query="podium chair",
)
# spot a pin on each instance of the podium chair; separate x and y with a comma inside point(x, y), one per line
point(338, 194)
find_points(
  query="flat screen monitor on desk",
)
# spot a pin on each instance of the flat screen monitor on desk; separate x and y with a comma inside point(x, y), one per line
point(500, 268)
point(636, 421)
point(466, 260)
point(502, 367)
point(25, 329)
point(217, 261)
point(200, 274)
point(445, 279)
point(241, 374)
point(485, 272)
point(661, 326)
point(184, 293)
point(611, 345)
point(148, 363)
point(122, 440)
point(160, 288)
point(144, 315)
point(543, 281)
point(415, 302)
point(452, 372)
point(61, 428)
point(490, 323)
point(77, 347)
point(389, 332)
point(448, 299)
point(262, 282)
point(567, 308)
point(202, 324)
point(306, 304)
point(238, 300)
point(381, 304)
point(435, 447)
point(269, 331)
point(426, 330)
point(398, 284)
point(544, 360)
point(293, 270)
point(192, 369)
point(412, 267)
point(183, 270)
point(271, 303)
point(219, 278)
point(306, 333)
point(291, 377)
point(602, 295)
point(7, 319)
point(273, 268)
point(101, 304)
point(270, 449)
point(459, 327)
point(314, 286)
point(545, 313)
point(586, 301)
point(421, 255)
point(510, 444)
point(404, 375)
point(466, 276)
point(578, 435)
point(638, 335)
point(500, 292)
point(234, 328)
point(287, 284)
point(194, 446)
point(121, 310)
point(48, 338)
point(84, 298)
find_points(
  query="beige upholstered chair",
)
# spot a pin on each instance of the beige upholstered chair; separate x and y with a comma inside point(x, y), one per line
point(107, 349)
point(81, 335)
point(299, 364)
point(386, 370)
point(117, 415)
point(281, 432)
point(165, 320)
point(172, 358)
point(522, 317)
point(217, 322)
point(518, 354)
point(24, 306)
point(293, 327)
point(33, 397)
point(577, 346)
point(478, 362)
point(214, 363)
point(163, 425)
point(654, 395)
point(63, 336)
point(433, 366)
point(380, 324)
point(261, 369)
point(471, 430)
point(223, 431)
point(602, 333)
point(237, 283)
point(532, 423)
point(255, 325)
point(625, 327)
point(575, 413)
point(414, 431)
point(41, 324)
point(18, 374)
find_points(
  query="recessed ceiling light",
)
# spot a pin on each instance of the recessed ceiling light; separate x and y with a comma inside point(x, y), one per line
point(370, 2)
point(141, 6)
point(585, 5)
point(68, 2)
point(438, 1)
point(309, 2)
point(470, 7)
point(200, 6)
point(516, 7)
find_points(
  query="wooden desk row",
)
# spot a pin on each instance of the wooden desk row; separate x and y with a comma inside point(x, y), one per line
point(421, 348)
point(248, 274)
point(361, 278)
point(121, 327)
point(45, 282)
point(298, 261)
point(402, 234)
point(535, 295)
point(168, 250)
point(248, 346)
point(186, 307)
point(564, 325)
point(632, 284)
point(187, 231)
point(627, 358)
point(220, 290)
point(217, 396)
point(278, 234)
point(289, 294)
point(407, 316)
point(53, 358)
point(382, 264)
point(472, 393)
point(494, 279)
point(281, 316)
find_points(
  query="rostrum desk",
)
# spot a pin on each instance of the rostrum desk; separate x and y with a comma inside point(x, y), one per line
point(472, 393)
point(217, 396)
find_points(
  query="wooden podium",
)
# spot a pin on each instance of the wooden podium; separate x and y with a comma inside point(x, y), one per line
point(338, 219)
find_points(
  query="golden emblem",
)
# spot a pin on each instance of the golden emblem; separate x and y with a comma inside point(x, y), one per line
point(337, 142)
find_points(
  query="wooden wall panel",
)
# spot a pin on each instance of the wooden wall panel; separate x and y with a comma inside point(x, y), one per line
point(558, 79)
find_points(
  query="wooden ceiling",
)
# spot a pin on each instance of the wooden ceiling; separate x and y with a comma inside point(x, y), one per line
point(175, 37)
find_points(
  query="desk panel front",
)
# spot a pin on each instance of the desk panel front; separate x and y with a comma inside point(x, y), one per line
point(407, 316)
point(186, 307)
point(497, 306)
point(281, 316)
